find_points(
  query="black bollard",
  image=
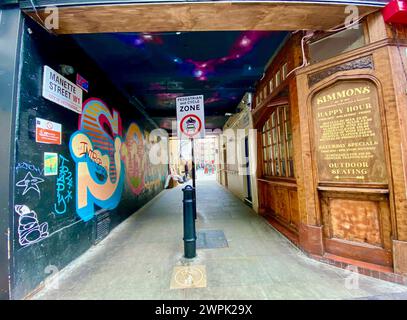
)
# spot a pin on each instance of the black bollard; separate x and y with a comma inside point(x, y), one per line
point(194, 203)
point(189, 223)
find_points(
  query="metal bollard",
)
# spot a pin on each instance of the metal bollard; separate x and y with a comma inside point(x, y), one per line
point(195, 203)
point(189, 223)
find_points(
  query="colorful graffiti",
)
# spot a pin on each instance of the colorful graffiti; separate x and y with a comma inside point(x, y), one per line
point(64, 186)
point(153, 173)
point(133, 153)
point(29, 229)
point(96, 150)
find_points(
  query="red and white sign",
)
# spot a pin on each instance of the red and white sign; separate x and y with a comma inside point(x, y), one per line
point(190, 117)
point(190, 125)
point(47, 131)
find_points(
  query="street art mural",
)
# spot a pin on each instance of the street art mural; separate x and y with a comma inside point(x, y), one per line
point(58, 190)
point(153, 176)
point(133, 153)
point(29, 229)
point(96, 150)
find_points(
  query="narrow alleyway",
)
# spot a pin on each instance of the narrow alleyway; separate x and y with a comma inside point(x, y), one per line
point(137, 259)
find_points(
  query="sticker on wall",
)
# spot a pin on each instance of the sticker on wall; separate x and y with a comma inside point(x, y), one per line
point(60, 90)
point(82, 82)
point(47, 131)
point(50, 164)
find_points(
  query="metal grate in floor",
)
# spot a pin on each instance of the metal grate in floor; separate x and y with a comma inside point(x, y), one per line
point(211, 239)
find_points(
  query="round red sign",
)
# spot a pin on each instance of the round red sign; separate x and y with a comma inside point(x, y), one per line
point(190, 125)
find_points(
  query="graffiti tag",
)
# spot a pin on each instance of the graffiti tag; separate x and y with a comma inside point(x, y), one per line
point(29, 229)
point(29, 167)
point(30, 182)
point(92, 154)
point(64, 186)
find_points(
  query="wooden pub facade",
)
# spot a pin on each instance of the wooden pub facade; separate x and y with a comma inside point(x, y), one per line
point(331, 122)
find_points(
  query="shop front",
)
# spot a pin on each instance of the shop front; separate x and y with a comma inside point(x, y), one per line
point(332, 148)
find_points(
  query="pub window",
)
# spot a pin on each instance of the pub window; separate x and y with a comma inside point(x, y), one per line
point(277, 147)
point(337, 43)
point(284, 71)
point(278, 78)
point(271, 88)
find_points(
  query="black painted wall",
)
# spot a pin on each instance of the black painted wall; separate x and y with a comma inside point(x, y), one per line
point(68, 236)
point(10, 23)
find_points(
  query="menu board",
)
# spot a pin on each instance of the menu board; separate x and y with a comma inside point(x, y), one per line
point(348, 134)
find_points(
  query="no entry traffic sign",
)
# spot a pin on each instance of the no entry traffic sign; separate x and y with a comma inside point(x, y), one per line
point(190, 117)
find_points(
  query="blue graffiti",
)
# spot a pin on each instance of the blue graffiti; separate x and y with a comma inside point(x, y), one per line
point(64, 186)
point(96, 150)
point(29, 167)
point(99, 173)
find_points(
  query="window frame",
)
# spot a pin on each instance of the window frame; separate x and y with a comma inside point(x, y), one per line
point(277, 145)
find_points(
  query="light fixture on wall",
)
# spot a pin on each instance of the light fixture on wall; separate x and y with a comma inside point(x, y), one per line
point(66, 70)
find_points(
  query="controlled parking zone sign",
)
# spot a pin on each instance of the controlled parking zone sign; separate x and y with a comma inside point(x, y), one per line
point(190, 117)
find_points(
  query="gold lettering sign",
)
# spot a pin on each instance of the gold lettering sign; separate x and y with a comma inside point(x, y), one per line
point(348, 136)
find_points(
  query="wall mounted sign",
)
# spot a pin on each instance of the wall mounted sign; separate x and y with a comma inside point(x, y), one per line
point(50, 164)
point(60, 90)
point(48, 131)
point(348, 134)
point(190, 117)
point(82, 82)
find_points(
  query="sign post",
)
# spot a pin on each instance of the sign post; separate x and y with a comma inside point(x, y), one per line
point(191, 125)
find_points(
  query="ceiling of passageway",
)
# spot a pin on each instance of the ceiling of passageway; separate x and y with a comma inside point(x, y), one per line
point(155, 68)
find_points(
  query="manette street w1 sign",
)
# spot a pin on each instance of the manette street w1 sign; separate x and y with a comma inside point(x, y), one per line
point(190, 117)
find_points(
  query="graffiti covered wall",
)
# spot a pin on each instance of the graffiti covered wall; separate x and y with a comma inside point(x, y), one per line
point(96, 150)
point(70, 167)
